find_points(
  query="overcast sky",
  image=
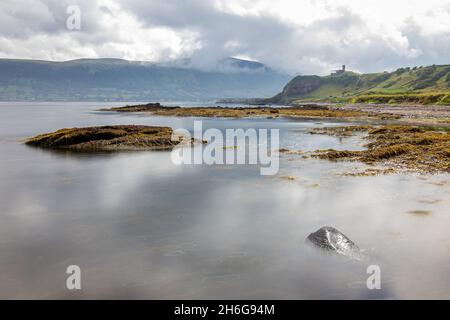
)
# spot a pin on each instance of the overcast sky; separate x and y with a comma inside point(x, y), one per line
point(303, 36)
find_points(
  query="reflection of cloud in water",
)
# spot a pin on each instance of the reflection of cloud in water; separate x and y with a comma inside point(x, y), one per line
point(142, 227)
point(125, 175)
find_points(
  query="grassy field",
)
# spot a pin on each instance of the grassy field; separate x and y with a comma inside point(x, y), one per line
point(423, 85)
point(418, 98)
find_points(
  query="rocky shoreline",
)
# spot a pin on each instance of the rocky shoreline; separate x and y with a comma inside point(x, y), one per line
point(419, 148)
point(396, 147)
point(411, 114)
point(418, 140)
point(305, 111)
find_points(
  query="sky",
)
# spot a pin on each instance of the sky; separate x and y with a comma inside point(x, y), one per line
point(298, 37)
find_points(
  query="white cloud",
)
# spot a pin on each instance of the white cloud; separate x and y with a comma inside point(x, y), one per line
point(297, 36)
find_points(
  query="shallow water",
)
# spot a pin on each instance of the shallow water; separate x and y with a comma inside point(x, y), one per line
point(142, 227)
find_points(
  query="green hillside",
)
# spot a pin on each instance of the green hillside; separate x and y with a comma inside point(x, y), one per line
point(405, 85)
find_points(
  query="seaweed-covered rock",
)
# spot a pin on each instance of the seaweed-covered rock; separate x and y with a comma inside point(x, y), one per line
point(422, 149)
point(148, 107)
point(107, 138)
point(237, 112)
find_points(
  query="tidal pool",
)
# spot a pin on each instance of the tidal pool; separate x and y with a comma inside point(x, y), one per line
point(141, 227)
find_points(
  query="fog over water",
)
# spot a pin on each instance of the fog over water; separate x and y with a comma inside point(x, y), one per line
point(141, 227)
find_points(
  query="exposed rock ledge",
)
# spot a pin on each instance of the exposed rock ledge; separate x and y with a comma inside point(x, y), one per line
point(305, 111)
point(421, 149)
point(107, 138)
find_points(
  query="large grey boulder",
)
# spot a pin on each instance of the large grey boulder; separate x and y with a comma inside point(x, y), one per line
point(331, 239)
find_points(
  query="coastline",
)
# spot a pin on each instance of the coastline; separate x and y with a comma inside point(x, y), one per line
point(403, 138)
point(408, 114)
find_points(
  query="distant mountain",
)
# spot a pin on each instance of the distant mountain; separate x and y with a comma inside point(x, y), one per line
point(420, 84)
point(116, 79)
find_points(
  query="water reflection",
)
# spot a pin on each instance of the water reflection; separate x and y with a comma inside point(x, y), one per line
point(141, 227)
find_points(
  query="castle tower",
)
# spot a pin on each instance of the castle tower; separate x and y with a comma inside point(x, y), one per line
point(338, 72)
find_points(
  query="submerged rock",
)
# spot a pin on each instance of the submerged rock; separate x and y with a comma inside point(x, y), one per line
point(331, 239)
point(107, 138)
point(420, 212)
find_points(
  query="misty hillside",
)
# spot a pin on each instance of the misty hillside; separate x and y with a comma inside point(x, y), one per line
point(116, 79)
point(402, 84)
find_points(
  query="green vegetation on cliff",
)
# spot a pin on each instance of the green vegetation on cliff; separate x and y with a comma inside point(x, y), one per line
point(424, 85)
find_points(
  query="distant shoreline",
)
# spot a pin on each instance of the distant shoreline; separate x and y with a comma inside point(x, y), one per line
point(414, 114)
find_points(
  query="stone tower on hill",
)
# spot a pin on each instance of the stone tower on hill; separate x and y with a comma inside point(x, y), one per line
point(337, 72)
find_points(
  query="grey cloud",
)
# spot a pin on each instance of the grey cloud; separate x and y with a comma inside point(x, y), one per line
point(435, 49)
point(25, 19)
point(221, 34)
point(342, 38)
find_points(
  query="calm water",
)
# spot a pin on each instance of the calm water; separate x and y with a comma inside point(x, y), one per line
point(141, 227)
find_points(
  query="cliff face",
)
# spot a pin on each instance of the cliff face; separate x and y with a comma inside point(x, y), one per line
point(432, 79)
point(302, 85)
